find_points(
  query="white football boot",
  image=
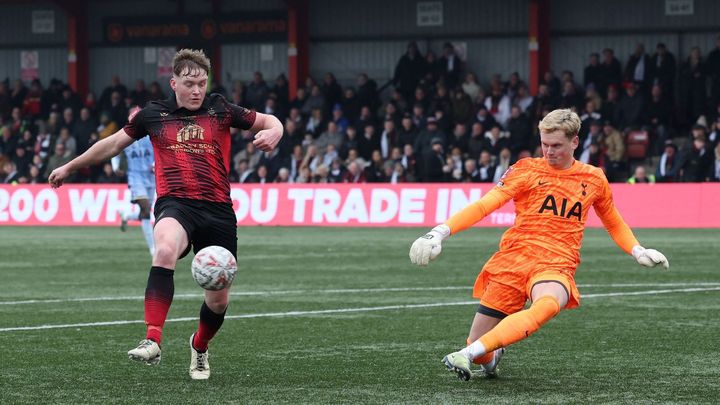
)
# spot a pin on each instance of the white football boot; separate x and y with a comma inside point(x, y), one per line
point(148, 352)
point(199, 364)
point(458, 364)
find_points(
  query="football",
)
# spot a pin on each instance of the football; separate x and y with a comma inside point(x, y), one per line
point(214, 268)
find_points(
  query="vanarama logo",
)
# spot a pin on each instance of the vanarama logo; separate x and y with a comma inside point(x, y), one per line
point(190, 131)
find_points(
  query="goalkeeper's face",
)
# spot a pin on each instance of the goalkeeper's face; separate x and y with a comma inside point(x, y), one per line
point(558, 149)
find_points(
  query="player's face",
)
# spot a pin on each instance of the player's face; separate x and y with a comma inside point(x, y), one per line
point(190, 88)
point(558, 149)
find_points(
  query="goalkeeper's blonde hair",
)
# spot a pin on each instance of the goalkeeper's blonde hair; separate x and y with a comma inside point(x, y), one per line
point(563, 119)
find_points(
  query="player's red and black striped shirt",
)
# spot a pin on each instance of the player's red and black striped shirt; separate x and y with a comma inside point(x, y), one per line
point(192, 148)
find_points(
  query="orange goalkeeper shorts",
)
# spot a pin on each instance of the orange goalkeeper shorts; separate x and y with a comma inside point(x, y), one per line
point(506, 281)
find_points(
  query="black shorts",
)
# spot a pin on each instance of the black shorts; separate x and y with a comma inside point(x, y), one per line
point(206, 223)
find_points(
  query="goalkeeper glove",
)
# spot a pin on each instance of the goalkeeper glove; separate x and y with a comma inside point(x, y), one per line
point(649, 257)
point(428, 246)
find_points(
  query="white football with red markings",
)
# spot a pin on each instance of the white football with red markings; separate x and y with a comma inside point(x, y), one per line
point(214, 268)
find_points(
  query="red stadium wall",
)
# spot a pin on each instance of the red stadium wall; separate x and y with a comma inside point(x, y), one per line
point(643, 206)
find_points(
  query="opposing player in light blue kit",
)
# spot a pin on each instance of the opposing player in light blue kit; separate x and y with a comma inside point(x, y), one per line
point(141, 181)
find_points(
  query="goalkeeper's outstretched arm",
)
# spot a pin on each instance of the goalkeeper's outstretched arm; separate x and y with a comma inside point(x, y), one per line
point(429, 246)
point(623, 236)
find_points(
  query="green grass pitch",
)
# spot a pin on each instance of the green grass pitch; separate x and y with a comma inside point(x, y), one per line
point(339, 315)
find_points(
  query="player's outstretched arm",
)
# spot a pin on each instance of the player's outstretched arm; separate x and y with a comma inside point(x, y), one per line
point(649, 257)
point(268, 130)
point(429, 246)
point(99, 152)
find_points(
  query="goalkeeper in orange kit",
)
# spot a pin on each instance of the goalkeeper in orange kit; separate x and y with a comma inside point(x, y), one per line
point(539, 254)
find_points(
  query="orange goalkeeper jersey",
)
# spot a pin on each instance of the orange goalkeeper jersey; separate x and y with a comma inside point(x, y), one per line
point(551, 208)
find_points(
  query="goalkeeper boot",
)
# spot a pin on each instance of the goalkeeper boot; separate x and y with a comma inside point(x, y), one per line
point(199, 364)
point(148, 352)
point(459, 364)
point(490, 369)
point(123, 221)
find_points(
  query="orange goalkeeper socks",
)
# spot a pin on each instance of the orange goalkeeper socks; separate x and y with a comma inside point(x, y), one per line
point(521, 324)
point(484, 359)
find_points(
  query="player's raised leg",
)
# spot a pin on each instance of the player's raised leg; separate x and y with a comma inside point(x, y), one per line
point(171, 242)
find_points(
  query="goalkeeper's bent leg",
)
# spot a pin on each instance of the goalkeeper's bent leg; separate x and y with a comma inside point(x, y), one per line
point(515, 327)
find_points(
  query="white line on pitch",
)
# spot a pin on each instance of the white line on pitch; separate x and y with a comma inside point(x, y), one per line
point(332, 291)
point(340, 310)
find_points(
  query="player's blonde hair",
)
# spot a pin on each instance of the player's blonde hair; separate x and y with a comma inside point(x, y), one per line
point(191, 59)
point(562, 119)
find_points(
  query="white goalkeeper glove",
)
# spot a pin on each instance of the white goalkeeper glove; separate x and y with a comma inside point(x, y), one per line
point(428, 246)
point(649, 257)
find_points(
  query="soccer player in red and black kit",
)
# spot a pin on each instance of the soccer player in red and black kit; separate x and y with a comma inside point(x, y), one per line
point(190, 134)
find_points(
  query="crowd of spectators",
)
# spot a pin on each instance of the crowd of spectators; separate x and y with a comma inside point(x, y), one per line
point(435, 123)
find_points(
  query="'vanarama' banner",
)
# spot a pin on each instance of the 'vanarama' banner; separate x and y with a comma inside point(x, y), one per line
point(647, 206)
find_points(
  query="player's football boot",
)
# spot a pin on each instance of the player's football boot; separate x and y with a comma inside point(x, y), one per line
point(123, 221)
point(490, 369)
point(148, 352)
point(199, 364)
point(459, 364)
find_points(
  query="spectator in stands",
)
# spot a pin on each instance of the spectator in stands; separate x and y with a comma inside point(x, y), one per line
point(330, 136)
point(588, 115)
point(82, 129)
point(470, 172)
point(613, 143)
point(593, 71)
point(470, 86)
point(498, 105)
point(630, 112)
point(459, 138)
point(570, 98)
point(68, 141)
point(257, 92)
point(520, 129)
point(156, 93)
point(423, 142)
point(451, 66)
point(409, 162)
point(692, 95)
point(18, 93)
point(368, 142)
point(495, 140)
point(315, 124)
point(59, 158)
point(105, 102)
point(139, 96)
point(714, 136)
point(282, 94)
point(712, 67)
point(7, 141)
point(367, 92)
point(554, 85)
point(5, 101)
point(641, 177)
point(354, 174)
point(668, 169)
point(698, 160)
point(332, 93)
point(659, 118)
point(337, 172)
point(433, 70)
point(524, 100)
point(594, 155)
point(434, 162)
point(486, 168)
point(714, 168)
point(32, 106)
point(639, 69)
point(350, 105)
point(408, 72)
point(663, 69)
point(260, 176)
point(388, 138)
point(244, 171)
point(22, 160)
point(611, 71)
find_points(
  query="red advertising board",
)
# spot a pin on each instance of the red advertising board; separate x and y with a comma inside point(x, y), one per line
point(692, 205)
